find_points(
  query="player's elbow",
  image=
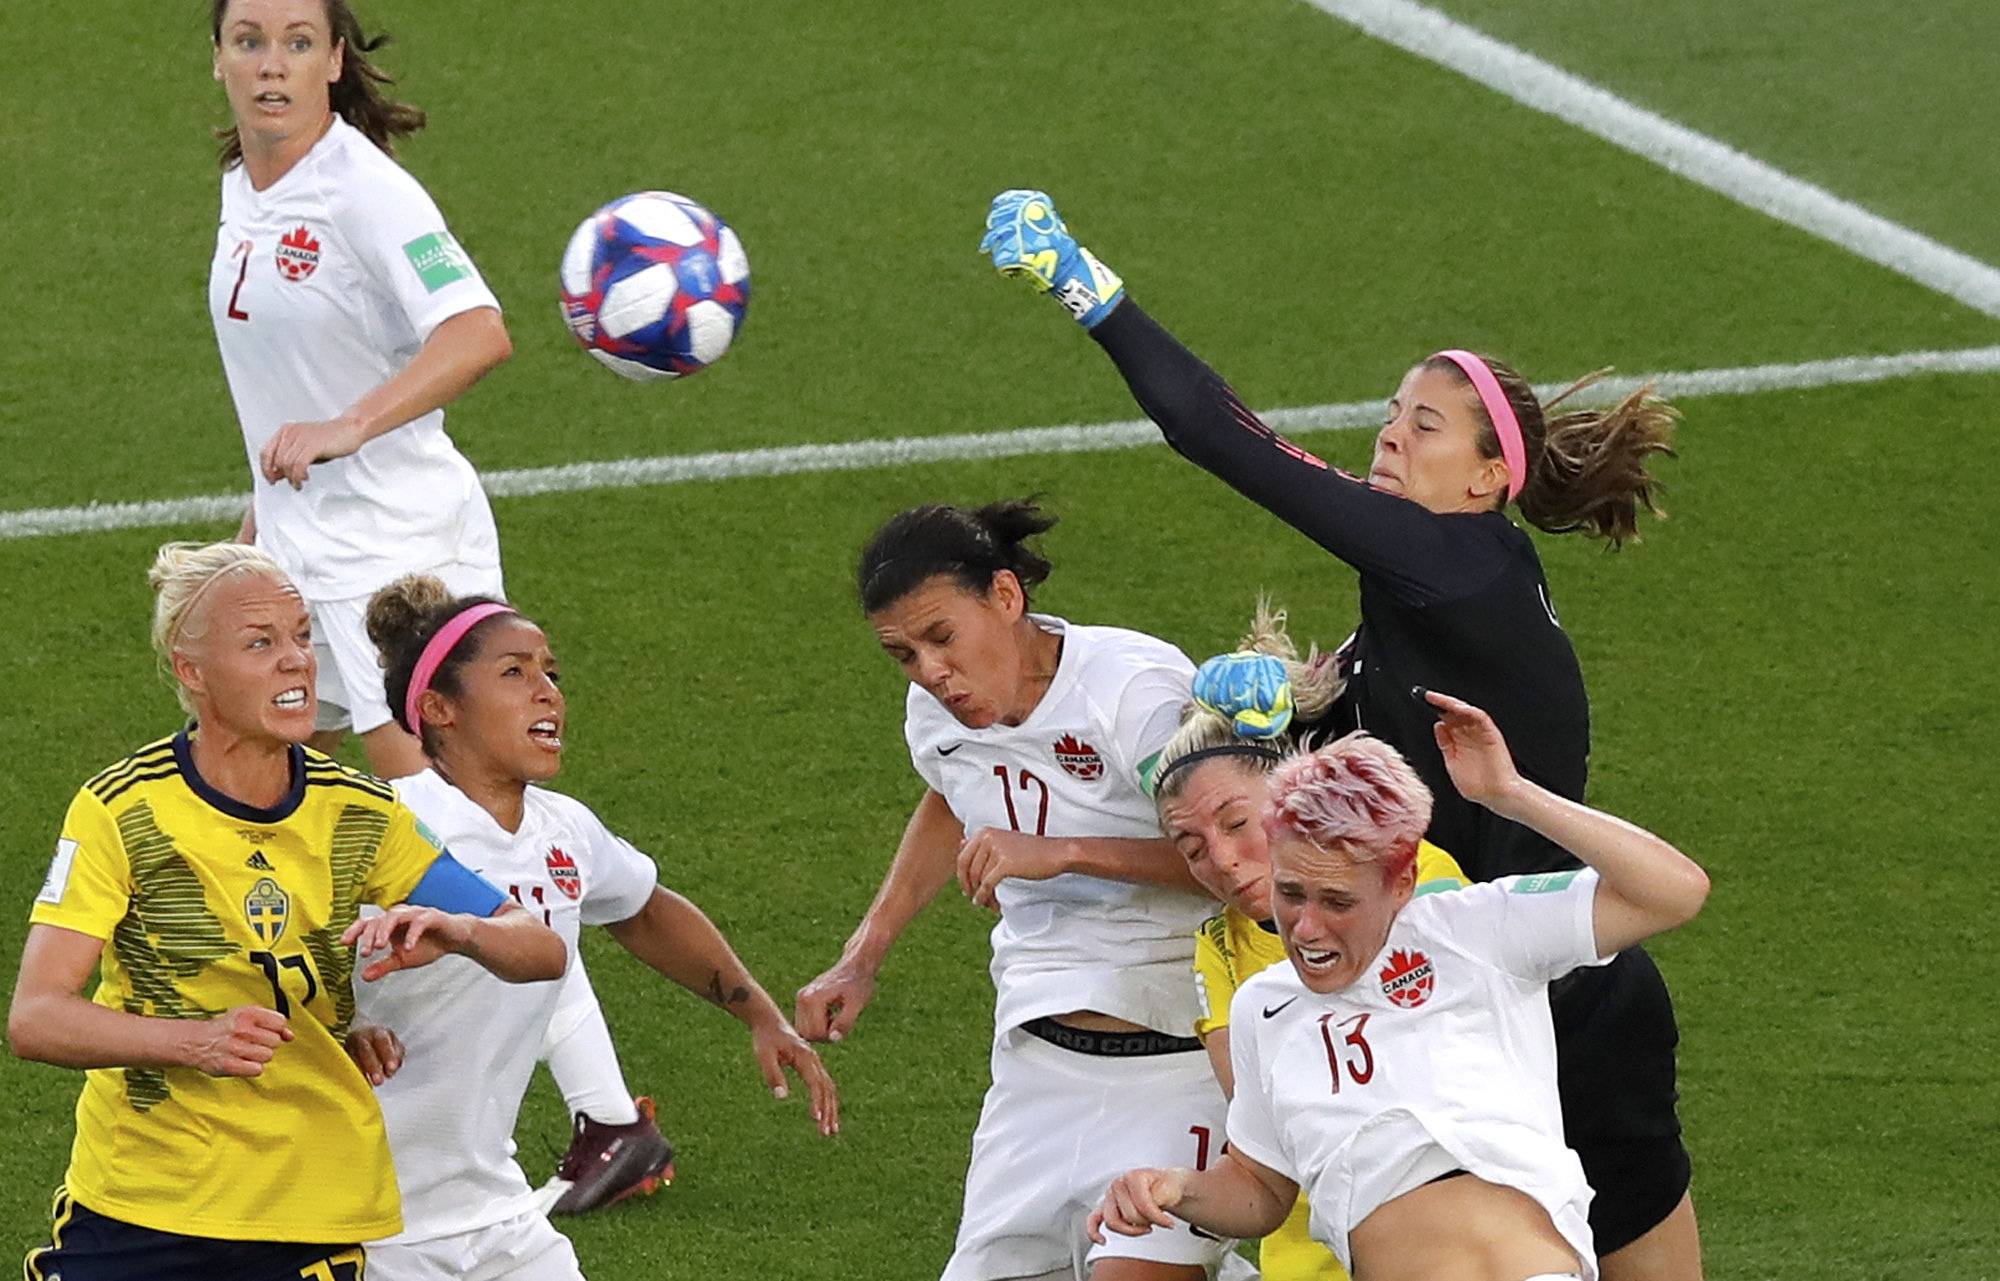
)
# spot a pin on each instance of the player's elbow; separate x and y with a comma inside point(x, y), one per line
point(500, 345)
point(25, 1032)
point(481, 339)
point(1674, 898)
point(1691, 891)
point(540, 955)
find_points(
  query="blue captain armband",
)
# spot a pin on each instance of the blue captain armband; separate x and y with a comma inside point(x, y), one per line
point(451, 886)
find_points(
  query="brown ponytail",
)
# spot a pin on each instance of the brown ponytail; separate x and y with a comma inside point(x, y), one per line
point(1587, 468)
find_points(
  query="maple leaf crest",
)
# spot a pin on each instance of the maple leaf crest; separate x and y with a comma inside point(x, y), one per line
point(1408, 978)
point(1078, 758)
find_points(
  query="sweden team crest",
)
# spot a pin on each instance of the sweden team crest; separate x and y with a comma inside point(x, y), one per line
point(266, 906)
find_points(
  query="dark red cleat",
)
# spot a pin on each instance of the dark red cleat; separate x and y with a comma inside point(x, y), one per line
point(607, 1163)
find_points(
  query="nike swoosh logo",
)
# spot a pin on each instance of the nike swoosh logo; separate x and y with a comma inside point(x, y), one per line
point(946, 751)
point(1271, 1011)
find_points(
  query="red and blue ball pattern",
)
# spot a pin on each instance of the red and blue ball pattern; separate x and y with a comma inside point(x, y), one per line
point(654, 286)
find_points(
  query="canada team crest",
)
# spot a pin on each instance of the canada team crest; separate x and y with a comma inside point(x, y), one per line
point(562, 870)
point(298, 254)
point(266, 906)
point(1079, 758)
point(1407, 979)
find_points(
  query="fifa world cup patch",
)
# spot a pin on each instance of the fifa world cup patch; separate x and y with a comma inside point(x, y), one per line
point(1408, 979)
point(438, 260)
point(1079, 758)
point(298, 254)
point(57, 881)
point(1544, 882)
point(562, 870)
point(424, 831)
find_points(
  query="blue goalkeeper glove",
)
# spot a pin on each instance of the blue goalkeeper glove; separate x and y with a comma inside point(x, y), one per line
point(1250, 690)
point(1025, 237)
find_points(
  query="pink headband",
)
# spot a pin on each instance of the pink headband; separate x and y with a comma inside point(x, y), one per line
point(438, 650)
point(1507, 427)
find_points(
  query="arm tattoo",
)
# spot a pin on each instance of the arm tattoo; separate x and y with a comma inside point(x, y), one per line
point(735, 996)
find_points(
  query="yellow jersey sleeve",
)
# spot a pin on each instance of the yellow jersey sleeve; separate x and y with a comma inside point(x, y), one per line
point(407, 851)
point(1437, 870)
point(89, 885)
point(1214, 980)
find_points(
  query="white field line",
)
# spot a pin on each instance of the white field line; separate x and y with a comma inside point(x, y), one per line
point(1073, 439)
point(1697, 157)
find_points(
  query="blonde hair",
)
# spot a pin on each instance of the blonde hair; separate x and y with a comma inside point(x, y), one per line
point(181, 575)
point(1316, 683)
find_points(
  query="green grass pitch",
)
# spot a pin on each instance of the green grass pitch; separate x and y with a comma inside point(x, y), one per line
point(1792, 677)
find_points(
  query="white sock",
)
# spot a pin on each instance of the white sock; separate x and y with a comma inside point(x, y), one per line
point(577, 1048)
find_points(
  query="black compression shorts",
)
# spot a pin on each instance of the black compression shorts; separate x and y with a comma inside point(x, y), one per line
point(88, 1246)
point(1615, 1040)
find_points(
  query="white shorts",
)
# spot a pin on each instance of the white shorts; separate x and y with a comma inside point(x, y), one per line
point(1057, 1127)
point(523, 1248)
point(350, 670)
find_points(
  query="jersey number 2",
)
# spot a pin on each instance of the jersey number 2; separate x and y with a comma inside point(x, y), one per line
point(242, 251)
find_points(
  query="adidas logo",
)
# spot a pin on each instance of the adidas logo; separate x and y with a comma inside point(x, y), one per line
point(258, 861)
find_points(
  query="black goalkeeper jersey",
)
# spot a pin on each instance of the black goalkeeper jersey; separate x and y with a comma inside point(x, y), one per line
point(1451, 602)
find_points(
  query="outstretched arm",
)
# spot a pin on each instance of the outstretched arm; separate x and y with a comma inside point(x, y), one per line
point(926, 860)
point(510, 943)
point(991, 855)
point(678, 939)
point(1645, 886)
point(1420, 555)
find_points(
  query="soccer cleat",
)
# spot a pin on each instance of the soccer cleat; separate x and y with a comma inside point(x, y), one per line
point(1252, 690)
point(1025, 237)
point(607, 1163)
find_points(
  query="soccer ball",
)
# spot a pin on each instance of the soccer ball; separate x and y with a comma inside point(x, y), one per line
point(655, 286)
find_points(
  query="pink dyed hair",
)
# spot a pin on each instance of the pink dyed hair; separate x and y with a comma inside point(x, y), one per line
point(1357, 794)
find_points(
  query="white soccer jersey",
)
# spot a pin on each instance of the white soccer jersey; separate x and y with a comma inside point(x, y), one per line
point(472, 1040)
point(1441, 1056)
point(325, 285)
point(1074, 768)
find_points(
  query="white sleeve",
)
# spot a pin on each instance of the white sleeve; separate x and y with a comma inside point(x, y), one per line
point(1537, 927)
point(1148, 714)
point(1253, 1128)
point(920, 735)
point(412, 257)
point(621, 878)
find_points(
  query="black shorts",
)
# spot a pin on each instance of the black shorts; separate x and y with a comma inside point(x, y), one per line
point(88, 1246)
point(1615, 1040)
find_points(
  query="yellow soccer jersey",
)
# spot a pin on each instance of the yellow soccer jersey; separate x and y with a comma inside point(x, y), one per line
point(1229, 948)
point(205, 904)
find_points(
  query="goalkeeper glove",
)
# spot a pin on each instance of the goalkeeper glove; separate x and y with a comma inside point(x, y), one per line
point(1250, 690)
point(1025, 237)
